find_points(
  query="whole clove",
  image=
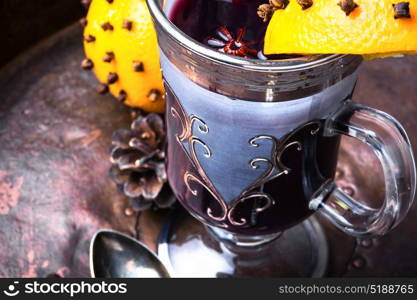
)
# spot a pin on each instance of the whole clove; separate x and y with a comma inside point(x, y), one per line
point(348, 6)
point(279, 4)
point(90, 38)
point(265, 12)
point(87, 64)
point(138, 66)
point(122, 96)
point(154, 95)
point(108, 57)
point(112, 78)
point(86, 3)
point(83, 22)
point(127, 24)
point(102, 89)
point(305, 4)
point(107, 26)
point(401, 10)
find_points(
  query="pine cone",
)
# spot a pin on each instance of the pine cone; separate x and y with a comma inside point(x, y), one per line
point(138, 159)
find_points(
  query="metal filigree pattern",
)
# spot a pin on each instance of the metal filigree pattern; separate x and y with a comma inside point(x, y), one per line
point(187, 139)
point(274, 167)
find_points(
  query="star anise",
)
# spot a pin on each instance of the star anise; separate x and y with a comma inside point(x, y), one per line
point(225, 42)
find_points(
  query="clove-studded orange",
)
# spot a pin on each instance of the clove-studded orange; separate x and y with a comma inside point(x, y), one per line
point(121, 47)
point(369, 27)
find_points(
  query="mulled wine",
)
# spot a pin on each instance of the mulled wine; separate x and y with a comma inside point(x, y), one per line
point(230, 26)
point(212, 160)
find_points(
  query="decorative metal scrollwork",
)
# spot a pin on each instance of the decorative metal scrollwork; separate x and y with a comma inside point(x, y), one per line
point(187, 139)
point(274, 167)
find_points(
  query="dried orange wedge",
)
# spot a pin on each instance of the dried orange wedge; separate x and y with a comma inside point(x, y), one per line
point(373, 27)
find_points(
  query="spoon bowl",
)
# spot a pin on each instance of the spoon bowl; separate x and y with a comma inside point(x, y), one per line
point(116, 255)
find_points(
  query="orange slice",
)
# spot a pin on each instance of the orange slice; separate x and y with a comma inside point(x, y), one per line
point(325, 28)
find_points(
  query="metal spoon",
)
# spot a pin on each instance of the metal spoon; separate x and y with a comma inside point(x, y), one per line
point(115, 255)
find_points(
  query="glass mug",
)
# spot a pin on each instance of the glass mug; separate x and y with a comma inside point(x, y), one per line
point(252, 145)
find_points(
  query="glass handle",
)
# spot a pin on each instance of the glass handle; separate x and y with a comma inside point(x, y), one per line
point(390, 143)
